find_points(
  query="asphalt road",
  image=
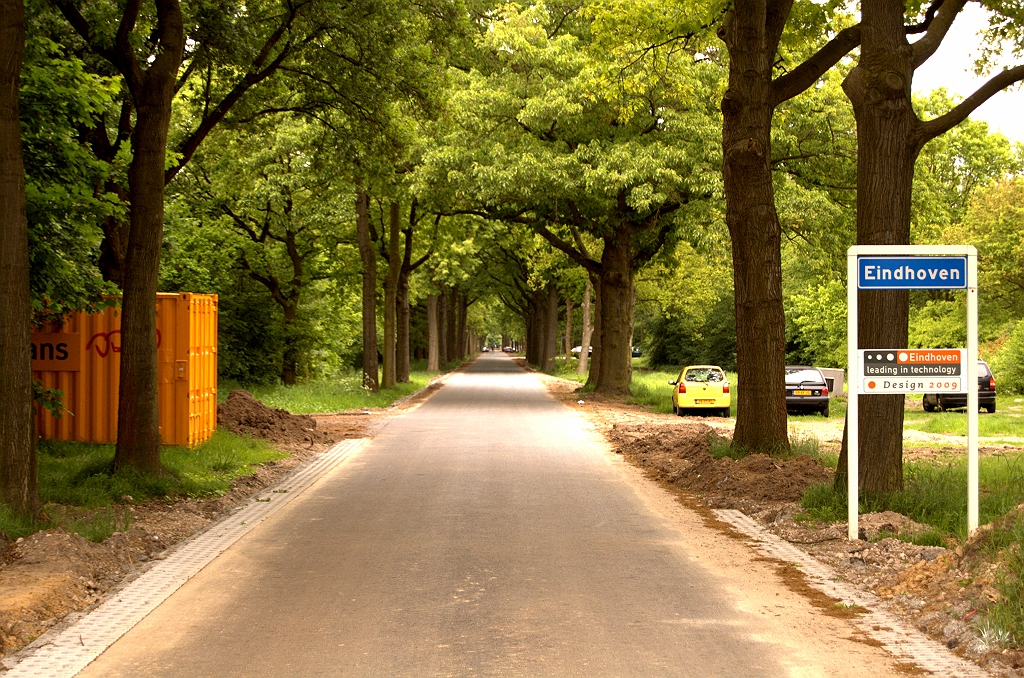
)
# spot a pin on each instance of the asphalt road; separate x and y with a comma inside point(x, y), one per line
point(487, 532)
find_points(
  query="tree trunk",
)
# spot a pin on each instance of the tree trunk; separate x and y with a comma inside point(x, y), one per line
point(595, 356)
point(754, 229)
point(588, 330)
point(550, 328)
point(114, 246)
point(461, 328)
point(369, 258)
point(616, 317)
point(391, 298)
point(18, 489)
point(452, 325)
point(879, 89)
point(138, 433)
point(433, 336)
point(404, 356)
point(289, 364)
point(568, 330)
point(442, 329)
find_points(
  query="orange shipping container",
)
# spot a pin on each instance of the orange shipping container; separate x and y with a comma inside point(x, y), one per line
point(82, 359)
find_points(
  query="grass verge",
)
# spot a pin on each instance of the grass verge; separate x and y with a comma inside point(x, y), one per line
point(330, 395)
point(81, 494)
point(935, 495)
point(1007, 613)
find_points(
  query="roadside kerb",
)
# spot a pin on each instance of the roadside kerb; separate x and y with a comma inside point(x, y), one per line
point(902, 642)
point(74, 648)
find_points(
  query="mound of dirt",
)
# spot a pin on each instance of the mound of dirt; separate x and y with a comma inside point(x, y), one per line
point(681, 454)
point(244, 415)
point(51, 574)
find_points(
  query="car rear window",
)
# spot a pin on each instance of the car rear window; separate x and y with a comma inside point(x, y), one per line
point(983, 370)
point(704, 375)
point(803, 375)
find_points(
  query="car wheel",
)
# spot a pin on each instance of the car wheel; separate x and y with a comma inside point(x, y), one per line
point(680, 412)
point(675, 410)
point(928, 407)
point(824, 411)
point(990, 408)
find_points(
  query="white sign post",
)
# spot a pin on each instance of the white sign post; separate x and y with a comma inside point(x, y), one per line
point(911, 267)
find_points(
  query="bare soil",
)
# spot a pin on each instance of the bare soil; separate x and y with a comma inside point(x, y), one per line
point(243, 415)
point(944, 592)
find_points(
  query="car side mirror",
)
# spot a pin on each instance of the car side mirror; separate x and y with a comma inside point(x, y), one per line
point(672, 382)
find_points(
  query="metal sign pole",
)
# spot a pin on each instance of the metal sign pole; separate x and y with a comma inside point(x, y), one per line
point(852, 389)
point(972, 389)
point(894, 267)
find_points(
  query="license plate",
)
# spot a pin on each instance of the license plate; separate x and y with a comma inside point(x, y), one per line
point(801, 393)
point(705, 401)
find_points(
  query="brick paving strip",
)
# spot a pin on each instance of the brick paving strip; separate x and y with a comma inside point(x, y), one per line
point(63, 654)
point(902, 642)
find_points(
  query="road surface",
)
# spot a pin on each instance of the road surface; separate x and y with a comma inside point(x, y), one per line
point(487, 532)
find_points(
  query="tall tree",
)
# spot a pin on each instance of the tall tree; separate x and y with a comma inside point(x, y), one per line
point(433, 340)
point(588, 329)
point(393, 251)
point(18, 488)
point(371, 376)
point(150, 77)
point(408, 268)
point(890, 137)
point(278, 194)
point(329, 50)
point(543, 139)
point(753, 33)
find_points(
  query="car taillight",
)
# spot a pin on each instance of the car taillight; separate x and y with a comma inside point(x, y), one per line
point(682, 388)
point(992, 383)
point(725, 389)
point(824, 391)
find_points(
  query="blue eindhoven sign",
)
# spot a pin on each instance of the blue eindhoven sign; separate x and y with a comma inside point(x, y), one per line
point(912, 273)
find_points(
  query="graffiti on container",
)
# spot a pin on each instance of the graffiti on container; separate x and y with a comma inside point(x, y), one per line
point(104, 342)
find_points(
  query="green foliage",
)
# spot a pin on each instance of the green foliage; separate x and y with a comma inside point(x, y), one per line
point(994, 223)
point(952, 169)
point(684, 312)
point(259, 219)
point(554, 131)
point(50, 398)
point(818, 325)
point(65, 209)
point(1008, 364)
point(939, 323)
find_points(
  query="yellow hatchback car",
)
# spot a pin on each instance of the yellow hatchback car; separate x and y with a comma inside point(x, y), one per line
point(701, 387)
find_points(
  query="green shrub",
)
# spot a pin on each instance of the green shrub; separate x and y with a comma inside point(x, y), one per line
point(1008, 363)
